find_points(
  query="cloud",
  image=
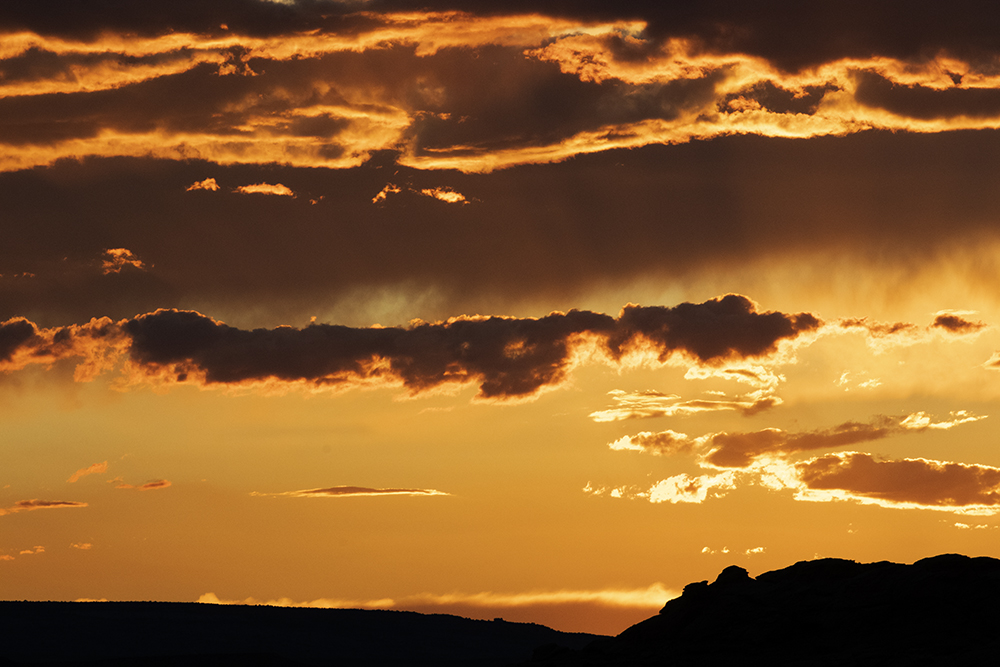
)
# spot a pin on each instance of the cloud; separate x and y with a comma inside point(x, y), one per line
point(596, 610)
point(954, 322)
point(686, 488)
point(83, 546)
point(148, 486)
point(350, 491)
point(766, 458)
point(510, 358)
point(321, 84)
point(651, 403)
point(265, 189)
point(207, 184)
point(115, 259)
point(384, 193)
point(36, 550)
point(739, 450)
point(99, 344)
point(917, 482)
point(993, 363)
point(445, 194)
point(910, 483)
point(89, 470)
point(729, 327)
point(664, 442)
point(744, 449)
point(883, 335)
point(445, 260)
point(35, 504)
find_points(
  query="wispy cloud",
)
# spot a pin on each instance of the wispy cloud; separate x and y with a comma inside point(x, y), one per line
point(351, 491)
point(265, 189)
point(654, 595)
point(94, 468)
point(148, 486)
point(207, 184)
point(445, 194)
point(884, 335)
point(35, 504)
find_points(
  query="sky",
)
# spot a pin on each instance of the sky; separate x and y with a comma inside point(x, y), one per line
point(537, 310)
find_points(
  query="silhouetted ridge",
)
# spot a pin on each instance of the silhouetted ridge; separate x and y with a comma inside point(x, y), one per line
point(157, 634)
point(939, 611)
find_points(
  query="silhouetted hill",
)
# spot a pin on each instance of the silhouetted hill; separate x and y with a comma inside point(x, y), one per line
point(156, 634)
point(943, 610)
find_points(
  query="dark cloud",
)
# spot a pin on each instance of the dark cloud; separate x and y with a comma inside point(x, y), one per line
point(956, 324)
point(507, 357)
point(14, 334)
point(455, 104)
point(500, 99)
point(535, 234)
point(787, 33)
point(64, 18)
point(778, 100)
point(925, 103)
point(729, 327)
point(917, 481)
point(739, 450)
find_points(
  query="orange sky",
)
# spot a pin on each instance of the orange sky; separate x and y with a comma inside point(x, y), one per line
point(539, 311)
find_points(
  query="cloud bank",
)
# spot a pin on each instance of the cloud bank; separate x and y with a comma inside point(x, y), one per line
point(328, 84)
point(767, 457)
point(509, 358)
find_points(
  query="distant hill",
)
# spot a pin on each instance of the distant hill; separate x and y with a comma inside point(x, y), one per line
point(943, 610)
point(154, 634)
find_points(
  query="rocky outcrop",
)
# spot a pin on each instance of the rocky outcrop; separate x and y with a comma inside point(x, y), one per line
point(943, 610)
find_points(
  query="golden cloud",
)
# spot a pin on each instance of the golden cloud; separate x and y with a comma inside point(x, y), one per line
point(89, 470)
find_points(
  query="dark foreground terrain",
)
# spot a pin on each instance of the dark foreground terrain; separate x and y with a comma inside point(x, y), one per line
point(141, 634)
point(939, 611)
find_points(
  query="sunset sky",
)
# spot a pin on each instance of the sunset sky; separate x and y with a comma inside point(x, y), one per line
point(539, 310)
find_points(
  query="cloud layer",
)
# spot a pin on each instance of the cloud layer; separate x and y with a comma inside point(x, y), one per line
point(321, 84)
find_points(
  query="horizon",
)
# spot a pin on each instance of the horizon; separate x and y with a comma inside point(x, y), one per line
point(530, 311)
